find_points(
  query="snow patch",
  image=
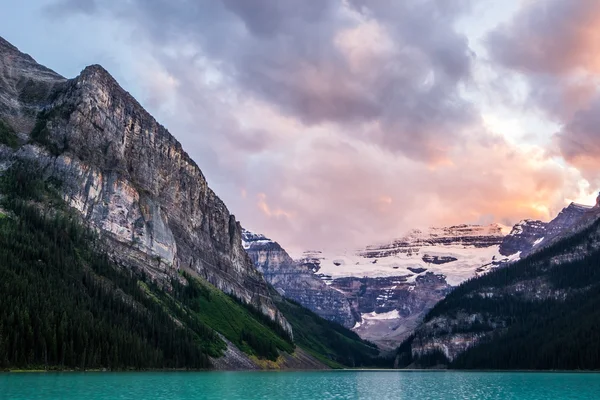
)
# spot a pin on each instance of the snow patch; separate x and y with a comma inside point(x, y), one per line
point(382, 316)
point(469, 258)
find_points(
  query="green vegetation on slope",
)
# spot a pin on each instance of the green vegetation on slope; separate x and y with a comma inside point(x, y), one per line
point(548, 333)
point(8, 135)
point(328, 341)
point(64, 305)
point(251, 331)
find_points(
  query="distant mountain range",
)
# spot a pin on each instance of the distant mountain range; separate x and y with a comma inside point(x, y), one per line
point(390, 287)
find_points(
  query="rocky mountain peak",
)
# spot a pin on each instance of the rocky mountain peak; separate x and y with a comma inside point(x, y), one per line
point(529, 235)
point(25, 87)
point(128, 176)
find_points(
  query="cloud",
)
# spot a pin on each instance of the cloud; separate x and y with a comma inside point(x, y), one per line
point(579, 141)
point(347, 195)
point(552, 36)
point(396, 63)
point(555, 45)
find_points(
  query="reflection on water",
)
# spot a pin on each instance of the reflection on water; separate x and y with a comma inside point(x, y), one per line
point(379, 385)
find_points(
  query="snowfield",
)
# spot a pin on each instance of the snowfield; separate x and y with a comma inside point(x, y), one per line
point(396, 258)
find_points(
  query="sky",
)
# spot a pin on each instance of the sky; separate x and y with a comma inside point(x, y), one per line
point(342, 123)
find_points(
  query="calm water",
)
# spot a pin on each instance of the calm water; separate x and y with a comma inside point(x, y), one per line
point(377, 385)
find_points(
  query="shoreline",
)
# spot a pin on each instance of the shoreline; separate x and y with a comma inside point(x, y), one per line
point(38, 371)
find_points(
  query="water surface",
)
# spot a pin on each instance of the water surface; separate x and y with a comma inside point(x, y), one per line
point(378, 385)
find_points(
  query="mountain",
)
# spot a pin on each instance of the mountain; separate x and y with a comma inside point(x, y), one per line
point(130, 178)
point(382, 291)
point(297, 281)
point(391, 286)
point(116, 253)
point(540, 312)
point(455, 252)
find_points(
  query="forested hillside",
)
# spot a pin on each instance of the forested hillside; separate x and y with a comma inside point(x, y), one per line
point(66, 305)
point(539, 313)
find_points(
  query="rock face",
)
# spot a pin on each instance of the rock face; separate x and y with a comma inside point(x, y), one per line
point(523, 237)
point(297, 281)
point(391, 307)
point(529, 235)
point(128, 176)
point(25, 87)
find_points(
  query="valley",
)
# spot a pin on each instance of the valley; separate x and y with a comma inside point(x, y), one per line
point(116, 254)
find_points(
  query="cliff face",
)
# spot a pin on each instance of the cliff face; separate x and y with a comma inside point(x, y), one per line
point(25, 87)
point(297, 281)
point(128, 176)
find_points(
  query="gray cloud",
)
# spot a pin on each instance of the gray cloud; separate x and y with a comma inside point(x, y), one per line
point(293, 55)
point(551, 37)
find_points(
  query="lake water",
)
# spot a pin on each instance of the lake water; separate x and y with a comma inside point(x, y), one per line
point(377, 385)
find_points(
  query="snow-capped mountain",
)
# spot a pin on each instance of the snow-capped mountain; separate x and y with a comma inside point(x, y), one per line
point(392, 285)
point(383, 291)
point(455, 252)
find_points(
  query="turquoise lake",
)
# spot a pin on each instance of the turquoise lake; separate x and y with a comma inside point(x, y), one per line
point(378, 385)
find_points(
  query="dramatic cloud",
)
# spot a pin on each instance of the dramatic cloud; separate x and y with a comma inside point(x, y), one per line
point(395, 63)
point(552, 36)
point(340, 123)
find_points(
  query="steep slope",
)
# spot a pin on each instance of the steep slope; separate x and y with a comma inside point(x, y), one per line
point(538, 313)
point(128, 177)
point(66, 304)
point(25, 87)
point(328, 341)
point(297, 281)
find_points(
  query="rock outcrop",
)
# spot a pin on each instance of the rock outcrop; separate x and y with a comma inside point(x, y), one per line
point(390, 308)
point(296, 280)
point(127, 175)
